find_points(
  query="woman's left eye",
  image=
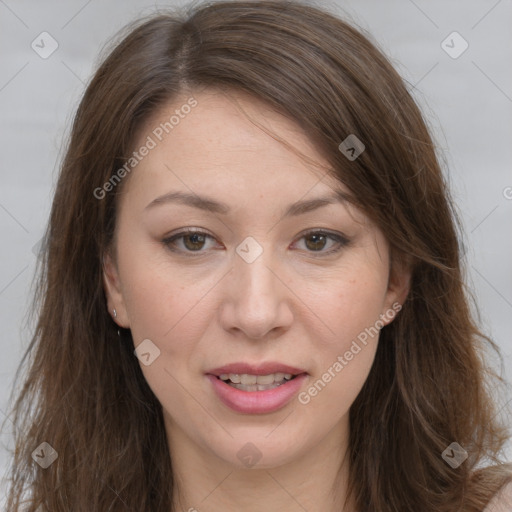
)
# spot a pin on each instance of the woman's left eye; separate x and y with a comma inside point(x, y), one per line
point(318, 240)
point(193, 241)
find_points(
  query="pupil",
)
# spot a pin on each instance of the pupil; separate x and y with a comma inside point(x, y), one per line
point(317, 237)
point(194, 238)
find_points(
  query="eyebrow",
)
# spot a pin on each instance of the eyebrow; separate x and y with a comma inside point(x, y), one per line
point(212, 206)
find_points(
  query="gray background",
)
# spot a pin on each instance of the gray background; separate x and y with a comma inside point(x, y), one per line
point(466, 100)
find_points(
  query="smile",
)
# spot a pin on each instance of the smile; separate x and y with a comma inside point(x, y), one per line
point(256, 398)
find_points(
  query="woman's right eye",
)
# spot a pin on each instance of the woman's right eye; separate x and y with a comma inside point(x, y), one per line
point(192, 241)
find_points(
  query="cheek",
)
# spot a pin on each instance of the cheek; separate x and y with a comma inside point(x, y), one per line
point(348, 304)
point(332, 392)
point(160, 299)
point(351, 309)
point(343, 360)
point(164, 308)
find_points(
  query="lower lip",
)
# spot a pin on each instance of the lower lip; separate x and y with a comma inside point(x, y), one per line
point(256, 402)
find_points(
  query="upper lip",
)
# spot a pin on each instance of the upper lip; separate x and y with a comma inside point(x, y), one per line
point(256, 369)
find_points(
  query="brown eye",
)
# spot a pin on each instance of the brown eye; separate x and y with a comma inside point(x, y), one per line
point(191, 241)
point(194, 241)
point(317, 241)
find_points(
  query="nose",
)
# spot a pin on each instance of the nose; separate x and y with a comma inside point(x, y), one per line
point(256, 300)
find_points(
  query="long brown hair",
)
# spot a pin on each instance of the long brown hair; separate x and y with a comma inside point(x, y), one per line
point(84, 392)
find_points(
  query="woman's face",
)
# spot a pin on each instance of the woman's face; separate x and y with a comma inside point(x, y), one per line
point(275, 283)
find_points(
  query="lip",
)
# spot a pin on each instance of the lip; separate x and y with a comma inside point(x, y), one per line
point(256, 369)
point(256, 402)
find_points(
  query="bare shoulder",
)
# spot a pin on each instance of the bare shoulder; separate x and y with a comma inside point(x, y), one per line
point(502, 502)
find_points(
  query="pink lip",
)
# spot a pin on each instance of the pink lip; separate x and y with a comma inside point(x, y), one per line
point(256, 369)
point(256, 402)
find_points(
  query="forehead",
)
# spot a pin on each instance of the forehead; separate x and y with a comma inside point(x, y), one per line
point(230, 140)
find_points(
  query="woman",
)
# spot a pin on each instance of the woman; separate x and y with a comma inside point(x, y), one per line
point(251, 295)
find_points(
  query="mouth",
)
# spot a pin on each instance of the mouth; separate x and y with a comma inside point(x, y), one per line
point(256, 389)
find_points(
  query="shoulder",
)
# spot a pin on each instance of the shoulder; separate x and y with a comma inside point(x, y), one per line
point(502, 501)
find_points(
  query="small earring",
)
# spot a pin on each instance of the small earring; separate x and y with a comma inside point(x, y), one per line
point(115, 316)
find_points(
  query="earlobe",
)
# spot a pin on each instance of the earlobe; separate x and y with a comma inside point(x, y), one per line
point(113, 292)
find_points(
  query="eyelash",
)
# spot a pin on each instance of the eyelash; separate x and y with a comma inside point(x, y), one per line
point(340, 240)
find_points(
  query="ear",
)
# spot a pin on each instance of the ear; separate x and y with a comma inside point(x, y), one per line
point(113, 292)
point(399, 284)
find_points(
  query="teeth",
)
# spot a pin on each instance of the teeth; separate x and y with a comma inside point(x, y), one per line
point(263, 379)
point(255, 387)
point(255, 381)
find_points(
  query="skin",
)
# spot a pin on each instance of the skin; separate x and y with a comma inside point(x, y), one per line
point(294, 304)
